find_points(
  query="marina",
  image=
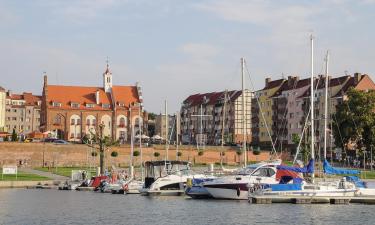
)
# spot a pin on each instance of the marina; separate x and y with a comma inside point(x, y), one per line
point(20, 206)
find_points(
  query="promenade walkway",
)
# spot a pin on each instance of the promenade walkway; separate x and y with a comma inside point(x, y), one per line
point(44, 174)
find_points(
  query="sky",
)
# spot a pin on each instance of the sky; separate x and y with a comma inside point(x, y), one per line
point(175, 48)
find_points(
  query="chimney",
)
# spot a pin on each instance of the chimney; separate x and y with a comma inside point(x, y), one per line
point(290, 81)
point(97, 99)
point(268, 80)
point(9, 93)
point(357, 77)
point(45, 80)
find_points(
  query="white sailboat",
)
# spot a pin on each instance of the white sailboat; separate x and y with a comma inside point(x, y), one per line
point(313, 189)
point(167, 177)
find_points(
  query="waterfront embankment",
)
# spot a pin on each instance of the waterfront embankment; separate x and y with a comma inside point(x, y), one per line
point(38, 154)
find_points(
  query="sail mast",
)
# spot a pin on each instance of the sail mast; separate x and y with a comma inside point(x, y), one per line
point(166, 130)
point(312, 101)
point(222, 128)
point(243, 112)
point(326, 107)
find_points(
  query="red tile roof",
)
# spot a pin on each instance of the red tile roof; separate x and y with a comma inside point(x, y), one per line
point(29, 98)
point(125, 94)
point(213, 97)
point(274, 84)
point(86, 95)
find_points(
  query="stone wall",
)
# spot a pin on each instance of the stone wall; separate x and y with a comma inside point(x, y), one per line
point(34, 154)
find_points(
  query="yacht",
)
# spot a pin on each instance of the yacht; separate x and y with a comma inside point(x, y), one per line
point(167, 177)
point(236, 186)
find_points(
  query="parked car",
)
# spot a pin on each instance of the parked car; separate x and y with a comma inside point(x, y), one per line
point(60, 142)
point(49, 139)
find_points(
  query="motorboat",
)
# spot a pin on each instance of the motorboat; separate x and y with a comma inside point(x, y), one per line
point(236, 186)
point(195, 188)
point(167, 177)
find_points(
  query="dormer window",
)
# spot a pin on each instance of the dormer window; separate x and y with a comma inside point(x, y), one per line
point(56, 104)
point(90, 105)
point(74, 105)
point(106, 106)
point(121, 104)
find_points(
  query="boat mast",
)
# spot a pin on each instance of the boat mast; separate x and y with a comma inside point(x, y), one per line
point(326, 108)
point(166, 130)
point(222, 128)
point(312, 101)
point(177, 131)
point(140, 124)
point(131, 168)
point(243, 112)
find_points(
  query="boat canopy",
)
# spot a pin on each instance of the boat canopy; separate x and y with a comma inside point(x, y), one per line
point(163, 162)
point(307, 169)
point(328, 169)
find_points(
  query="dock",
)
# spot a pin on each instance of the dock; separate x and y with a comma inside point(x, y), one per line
point(312, 200)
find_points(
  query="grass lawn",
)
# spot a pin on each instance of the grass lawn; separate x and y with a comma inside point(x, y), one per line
point(65, 171)
point(22, 177)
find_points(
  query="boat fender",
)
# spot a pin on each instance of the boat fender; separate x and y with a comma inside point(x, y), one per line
point(238, 192)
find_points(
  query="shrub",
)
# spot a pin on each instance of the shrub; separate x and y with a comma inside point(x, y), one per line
point(222, 153)
point(114, 154)
point(179, 154)
point(136, 153)
point(256, 151)
point(93, 153)
point(200, 153)
point(156, 154)
point(239, 152)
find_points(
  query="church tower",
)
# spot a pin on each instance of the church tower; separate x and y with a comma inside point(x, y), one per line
point(107, 80)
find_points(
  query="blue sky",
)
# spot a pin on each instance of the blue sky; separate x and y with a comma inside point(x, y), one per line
point(175, 48)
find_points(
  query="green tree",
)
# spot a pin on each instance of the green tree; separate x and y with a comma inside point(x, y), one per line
point(101, 142)
point(156, 154)
point(151, 116)
point(14, 135)
point(354, 122)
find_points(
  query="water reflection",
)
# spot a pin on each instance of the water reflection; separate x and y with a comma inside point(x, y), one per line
point(19, 206)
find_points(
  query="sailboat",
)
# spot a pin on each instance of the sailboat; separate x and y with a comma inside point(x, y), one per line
point(167, 177)
point(317, 190)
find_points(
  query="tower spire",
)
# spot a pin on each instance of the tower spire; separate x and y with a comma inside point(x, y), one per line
point(107, 78)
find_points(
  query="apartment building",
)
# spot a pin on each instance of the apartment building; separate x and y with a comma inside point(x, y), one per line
point(213, 117)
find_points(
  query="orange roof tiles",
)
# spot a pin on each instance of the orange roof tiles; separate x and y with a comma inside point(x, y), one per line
point(76, 94)
point(125, 94)
point(66, 95)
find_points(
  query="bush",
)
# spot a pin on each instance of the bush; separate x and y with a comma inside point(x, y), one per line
point(114, 154)
point(239, 152)
point(222, 153)
point(200, 153)
point(156, 154)
point(256, 151)
point(14, 135)
point(93, 153)
point(136, 153)
point(179, 154)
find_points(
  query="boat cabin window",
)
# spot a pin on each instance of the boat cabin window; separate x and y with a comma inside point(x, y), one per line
point(264, 172)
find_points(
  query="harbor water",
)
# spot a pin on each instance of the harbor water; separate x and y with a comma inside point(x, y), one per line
point(22, 206)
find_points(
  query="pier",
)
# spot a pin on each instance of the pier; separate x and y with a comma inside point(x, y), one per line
point(312, 200)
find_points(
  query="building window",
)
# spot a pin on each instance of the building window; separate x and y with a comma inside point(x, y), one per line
point(122, 122)
point(14, 118)
point(121, 104)
point(90, 105)
point(88, 122)
point(94, 122)
point(56, 104)
point(8, 110)
point(78, 121)
point(106, 106)
point(72, 122)
point(74, 105)
point(14, 110)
